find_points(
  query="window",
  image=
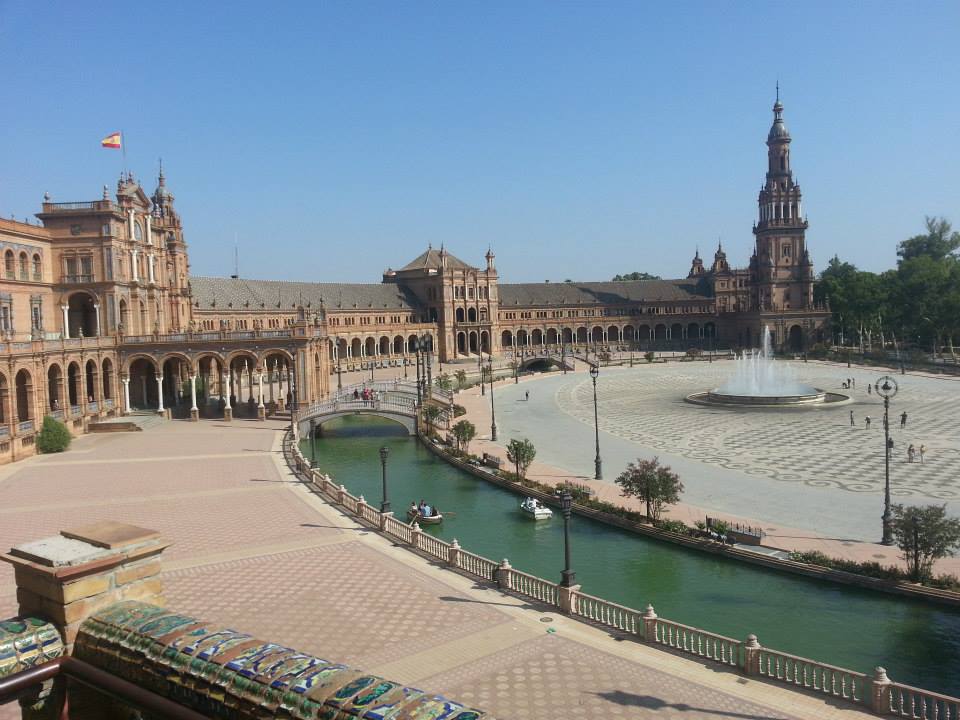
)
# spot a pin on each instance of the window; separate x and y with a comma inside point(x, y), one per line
point(23, 267)
point(105, 230)
point(786, 251)
point(8, 264)
point(37, 269)
point(86, 268)
point(137, 232)
point(108, 263)
point(470, 293)
point(6, 317)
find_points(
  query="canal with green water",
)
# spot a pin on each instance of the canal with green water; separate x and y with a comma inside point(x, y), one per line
point(918, 643)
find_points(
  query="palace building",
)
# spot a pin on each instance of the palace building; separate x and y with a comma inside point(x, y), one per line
point(99, 314)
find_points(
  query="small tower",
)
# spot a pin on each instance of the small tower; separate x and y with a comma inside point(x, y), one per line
point(489, 256)
point(720, 260)
point(696, 267)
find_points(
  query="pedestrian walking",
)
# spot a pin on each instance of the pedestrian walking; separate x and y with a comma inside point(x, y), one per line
point(867, 421)
point(923, 449)
point(911, 452)
point(869, 389)
point(527, 396)
point(852, 423)
point(903, 420)
point(854, 380)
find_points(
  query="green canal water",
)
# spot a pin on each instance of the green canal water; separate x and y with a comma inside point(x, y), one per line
point(917, 642)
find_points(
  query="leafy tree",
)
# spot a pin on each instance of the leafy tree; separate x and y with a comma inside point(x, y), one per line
point(939, 241)
point(431, 414)
point(924, 535)
point(635, 276)
point(649, 355)
point(521, 454)
point(54, 436)
point(654, 484)
point(443, 382)
point(461, 376)
point(464, 431)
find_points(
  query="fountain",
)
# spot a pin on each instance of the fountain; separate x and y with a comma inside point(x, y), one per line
point(760, 381)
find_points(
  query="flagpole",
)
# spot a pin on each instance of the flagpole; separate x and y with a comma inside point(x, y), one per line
point(123, 149)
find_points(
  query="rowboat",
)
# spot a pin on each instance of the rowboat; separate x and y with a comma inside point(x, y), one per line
point(535, 509)
point(414, 515)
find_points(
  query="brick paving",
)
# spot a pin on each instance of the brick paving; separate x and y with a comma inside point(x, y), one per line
point(253, 549)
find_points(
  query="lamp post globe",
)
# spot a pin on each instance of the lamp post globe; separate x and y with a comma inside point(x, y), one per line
point(385, 504)
point(597, 463)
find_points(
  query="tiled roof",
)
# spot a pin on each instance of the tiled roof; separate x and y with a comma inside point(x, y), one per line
point(610, 293)
point(431, 259)
point(258, 294)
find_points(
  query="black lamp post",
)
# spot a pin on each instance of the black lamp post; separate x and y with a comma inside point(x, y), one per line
point(568, 576)
point(563, 358)
point(594, 372)
point(313, 443)
point(483, 386)
point(416, 349)
point(428, 352)
point(493, 411)
point(886, 387)
point(385, 505)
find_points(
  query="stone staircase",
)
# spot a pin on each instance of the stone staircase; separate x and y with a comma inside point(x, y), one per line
point(136, 421)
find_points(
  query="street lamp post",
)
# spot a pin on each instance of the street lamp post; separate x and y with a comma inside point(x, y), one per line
point(598, 474)
point(416, 349)
point(493, 411)
point(563, 358)
point(385, 505)
point(339, 375)
point(483, 390)
point(886, 387)
point(568, 576)
point(313, 443)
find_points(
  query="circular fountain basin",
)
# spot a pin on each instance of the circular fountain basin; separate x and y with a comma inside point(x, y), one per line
point(818, 398)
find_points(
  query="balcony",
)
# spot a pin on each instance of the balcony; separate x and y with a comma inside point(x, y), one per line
point(49, 207)
point(77, 279)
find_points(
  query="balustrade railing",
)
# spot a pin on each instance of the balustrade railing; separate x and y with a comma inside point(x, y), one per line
point(534, 587)
point(93, 406)
point(58, 414)
point(881, 695)
point(4, 431)
point(604, 612)
point(812, 675)
point(695, 641)
point(75, 410)
point(108, 403)
point(477, 565)
point(25, 426)
point(905, 701)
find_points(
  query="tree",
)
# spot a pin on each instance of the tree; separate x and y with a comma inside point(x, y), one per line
point(924, 535)
point(54, 436)
point(464, 431)
point(521, 453)
point(940, 241)
point(443, 382)
point(461, 376)
point(635, 276)
point(431, 414)
point(654, 484)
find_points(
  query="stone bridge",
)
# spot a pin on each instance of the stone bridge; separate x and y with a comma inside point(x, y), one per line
point(392, 400)
point(531, 359)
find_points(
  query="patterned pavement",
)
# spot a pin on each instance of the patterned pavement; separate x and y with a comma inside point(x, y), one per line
point(253, 549)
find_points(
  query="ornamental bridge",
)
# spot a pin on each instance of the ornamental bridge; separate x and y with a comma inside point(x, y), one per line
point(394, 400)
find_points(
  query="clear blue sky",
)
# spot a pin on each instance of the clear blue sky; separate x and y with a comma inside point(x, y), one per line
point(335, 139)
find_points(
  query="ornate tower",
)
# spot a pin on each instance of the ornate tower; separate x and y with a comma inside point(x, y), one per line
point(783, 277)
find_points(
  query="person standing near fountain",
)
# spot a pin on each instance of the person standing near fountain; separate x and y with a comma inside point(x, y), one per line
point(852, 423)
point(867, 421)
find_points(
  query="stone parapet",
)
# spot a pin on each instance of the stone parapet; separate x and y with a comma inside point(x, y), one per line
point(67, 577)
point(225, 673)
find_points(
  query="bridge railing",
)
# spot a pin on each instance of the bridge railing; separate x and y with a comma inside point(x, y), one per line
point(876, 693)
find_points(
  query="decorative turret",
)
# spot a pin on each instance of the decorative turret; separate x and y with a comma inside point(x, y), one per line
point(720, 260)
point(489, 256)
point(696, 267)
point(780, 200)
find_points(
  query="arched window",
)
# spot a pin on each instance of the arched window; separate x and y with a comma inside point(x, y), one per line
point(783, 162)
point(23, 267)
point(8, 264)
point(37, 268)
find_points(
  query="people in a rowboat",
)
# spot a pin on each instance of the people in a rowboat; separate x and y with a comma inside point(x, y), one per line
point(413, 508)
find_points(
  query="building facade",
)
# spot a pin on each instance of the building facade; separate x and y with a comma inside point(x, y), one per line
point(99, 313)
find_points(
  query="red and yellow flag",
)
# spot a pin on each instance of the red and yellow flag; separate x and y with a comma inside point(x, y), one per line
point(111, 141)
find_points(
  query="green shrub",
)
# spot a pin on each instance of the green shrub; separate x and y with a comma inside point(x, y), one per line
point(459, 410)
point(54, 436)
point(649, 355)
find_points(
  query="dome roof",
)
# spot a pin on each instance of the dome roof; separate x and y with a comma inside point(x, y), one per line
point(778, 131)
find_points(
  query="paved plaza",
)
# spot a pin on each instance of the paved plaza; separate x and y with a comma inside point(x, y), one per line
point(254, 550)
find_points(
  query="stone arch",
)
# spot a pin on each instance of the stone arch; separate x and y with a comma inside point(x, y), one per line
point(644, 333)
point(693, 331)
point(24, 266)
point(143, 372)
point(370, 347)
point(341, 348)
point(567, 335)
point(124, 315)
point(384, 345)
point(461, 342)
point(82, 314)
point(536, 337)
point(660, 332)
point(23, 395)
point(54, 386)
point(596, 335)
point(91, 378)
point(460, 315)
point(506, 338)
point(795, 338)
point(74, 380)
point(613, 333)
point(485, 341)
point(412, 344)
point(581, 335)
point(474, 347)
point(398, 345)
point(9, 265)
point(629, 333)
point(356, 348)
point(709, 330)
point(471, 315)
point(4, 397)
point(106, 375)
point(676, 331)
point(522, 338)
point(37, 267)
point(552, 336)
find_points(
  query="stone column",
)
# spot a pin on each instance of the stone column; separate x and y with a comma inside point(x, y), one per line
point(194, 410)
point(135, 270)
point(261, 410)
point(273, 378)
point(160, 394)
point(503, 575)
point(751, 656)
point(453, 553)
point(149, 225)
point(96, 327)
point(650, 625)
point(66, 320)
point(68, 577)
point(566, 598)
point(227, 410)
point(143, 387)
point(126, 395)
point(880, 692)
point(150, 267)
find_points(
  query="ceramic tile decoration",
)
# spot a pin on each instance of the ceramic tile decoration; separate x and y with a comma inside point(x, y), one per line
point(26, 642)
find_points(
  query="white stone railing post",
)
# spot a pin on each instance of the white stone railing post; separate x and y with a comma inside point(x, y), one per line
point(751, 655)
point(453, 554)
point(360, 503)
point(566, 598)
point(503, 575)
point(415, 533)
point(383, 520)
point(341, 491)
point(880, 692)
point(650, 625)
